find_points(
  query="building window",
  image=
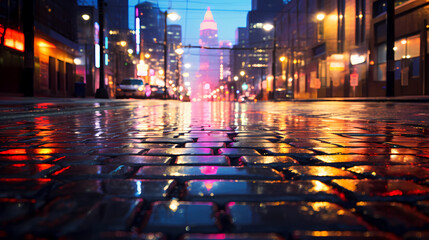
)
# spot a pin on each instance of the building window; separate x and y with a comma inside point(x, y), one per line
point(381, 62)
point(360, 21)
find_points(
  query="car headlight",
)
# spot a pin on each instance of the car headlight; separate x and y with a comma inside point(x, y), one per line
point(141, 89)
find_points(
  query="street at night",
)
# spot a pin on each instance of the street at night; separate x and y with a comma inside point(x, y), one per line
point(155, 169)
point(214, 119)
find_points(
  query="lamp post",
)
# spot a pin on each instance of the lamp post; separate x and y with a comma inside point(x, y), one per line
point(86, 18)
point(390, 53)
point(173, 17)
point(101, 91)
point(269, 27)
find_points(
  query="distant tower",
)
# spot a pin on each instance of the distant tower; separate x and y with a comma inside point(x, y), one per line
point(209, 59)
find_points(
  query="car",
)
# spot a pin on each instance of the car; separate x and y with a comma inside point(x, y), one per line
point(156, 92)
point(131, 87)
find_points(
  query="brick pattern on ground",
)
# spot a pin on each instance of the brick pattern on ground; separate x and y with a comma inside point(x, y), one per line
point(119, 175)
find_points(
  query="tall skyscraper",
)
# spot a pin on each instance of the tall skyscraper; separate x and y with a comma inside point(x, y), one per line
point(174, 39)
point(209, 59)
point(150, 36)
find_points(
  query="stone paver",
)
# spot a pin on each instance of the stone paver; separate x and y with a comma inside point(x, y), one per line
point(286, 217)
point(156, 169)
point(223, 191)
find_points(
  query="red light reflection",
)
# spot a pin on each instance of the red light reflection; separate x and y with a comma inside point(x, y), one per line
point(209, 170)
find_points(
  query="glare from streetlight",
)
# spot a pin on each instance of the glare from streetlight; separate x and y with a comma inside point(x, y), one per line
point(242, 73)
point(123, 43)
point(235, 78)
point(179, 51)
point(85, 17)
point(282, 58)
point(268, 27)
point(320, 16)
point(130, 51)
point(173, 16)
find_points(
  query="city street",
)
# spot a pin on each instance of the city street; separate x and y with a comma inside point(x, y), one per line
point(154, 169)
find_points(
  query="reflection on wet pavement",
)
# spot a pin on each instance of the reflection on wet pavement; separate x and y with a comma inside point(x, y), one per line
point(218, 170)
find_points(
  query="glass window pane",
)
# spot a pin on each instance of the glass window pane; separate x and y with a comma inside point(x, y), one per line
point(381, 72)
point(397, 70)
point(413, 46)
point(400, 49)
point(415, 67)
point(381, 53)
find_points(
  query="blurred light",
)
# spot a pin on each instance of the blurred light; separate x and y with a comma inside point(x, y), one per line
point(188, 65)
point(123, 43)
point(235, 78)
point(130, 51)
point(268, 27)
point(97, 55)
point(179, 51)
point(77, 61)
point(187, 83)
point(222, 87)
point(282, 58)
point(404, 41)
point(357, 59)
point(185, 74)
point(320, 16)
point(85, 17)
point(173, 16)
point(207, 86)
point(161, 72)
point(174, 204)
point(147, 55)
point(242, 73)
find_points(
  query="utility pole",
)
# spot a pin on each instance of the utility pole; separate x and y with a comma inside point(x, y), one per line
point(165, 54)
point(273, 66)
point(28, 24)
point(390, 54)
point(101, 91)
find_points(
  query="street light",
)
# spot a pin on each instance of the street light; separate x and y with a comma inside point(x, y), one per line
point(173, 17)
point(101, 91)
point(269, 27)
point(85, 17)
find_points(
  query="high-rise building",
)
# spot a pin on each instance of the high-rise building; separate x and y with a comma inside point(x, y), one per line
point(174, 40)
point(149, 34)
point(209, 58)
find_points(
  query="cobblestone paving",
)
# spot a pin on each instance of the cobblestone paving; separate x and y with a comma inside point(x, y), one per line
point(168, 170)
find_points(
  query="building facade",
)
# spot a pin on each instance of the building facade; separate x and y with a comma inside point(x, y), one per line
point(337, 48)
point(55, 48)
point(174, 40)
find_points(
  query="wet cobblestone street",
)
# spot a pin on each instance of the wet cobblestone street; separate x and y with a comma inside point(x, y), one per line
point(172, 170)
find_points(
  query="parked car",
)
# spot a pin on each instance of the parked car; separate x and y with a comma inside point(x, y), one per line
point(131, 87)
